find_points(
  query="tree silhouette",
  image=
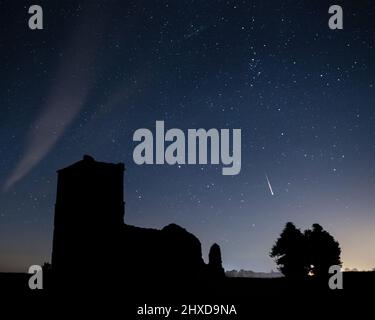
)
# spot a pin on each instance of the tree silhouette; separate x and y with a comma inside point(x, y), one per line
point(323, 251)
point(214, 261)
point(311, 253)
point(289, 252)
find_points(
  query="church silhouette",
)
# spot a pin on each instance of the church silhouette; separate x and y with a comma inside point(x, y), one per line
point(92, 246)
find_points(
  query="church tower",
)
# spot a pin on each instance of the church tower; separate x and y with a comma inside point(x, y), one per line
point(89, 213)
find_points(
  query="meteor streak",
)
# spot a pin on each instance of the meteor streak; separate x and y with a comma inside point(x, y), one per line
point(269, 185)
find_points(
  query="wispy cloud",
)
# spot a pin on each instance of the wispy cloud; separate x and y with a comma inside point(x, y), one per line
point(67, 97)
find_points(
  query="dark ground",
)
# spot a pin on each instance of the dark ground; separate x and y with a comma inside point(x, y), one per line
point(250, 296)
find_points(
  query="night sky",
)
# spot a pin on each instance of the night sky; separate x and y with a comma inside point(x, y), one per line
point(302, 94)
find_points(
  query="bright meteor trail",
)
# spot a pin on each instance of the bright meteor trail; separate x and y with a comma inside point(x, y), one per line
point(269, 185)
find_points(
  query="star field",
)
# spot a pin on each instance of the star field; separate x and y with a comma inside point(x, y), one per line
point(302, 94)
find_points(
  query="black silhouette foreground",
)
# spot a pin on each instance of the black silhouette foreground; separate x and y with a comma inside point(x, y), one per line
point(95, 255)
point(301, 256)
point(92, 247)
